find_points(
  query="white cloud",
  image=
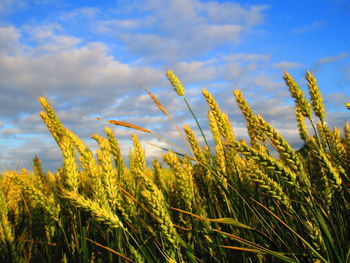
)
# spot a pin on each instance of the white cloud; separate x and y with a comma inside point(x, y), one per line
point(8, 40)
point(331, 59)
point(316, 25)
point(68, 71)
point(7, 6)
point(222, 12)
point(328, 60)
point(246, 57)
point(50, 38)
point(182, 29)
point(86, 12)
point(284, 65)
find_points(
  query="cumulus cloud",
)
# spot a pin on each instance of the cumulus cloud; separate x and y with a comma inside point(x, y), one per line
point(182, 29)
point(76, 73)
point(81, 81)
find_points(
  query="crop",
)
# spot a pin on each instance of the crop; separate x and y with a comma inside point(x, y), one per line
point(231, 200)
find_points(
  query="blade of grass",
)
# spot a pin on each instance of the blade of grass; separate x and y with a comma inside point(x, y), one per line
point(291, 230)
point(257, 247)
point(110, 250)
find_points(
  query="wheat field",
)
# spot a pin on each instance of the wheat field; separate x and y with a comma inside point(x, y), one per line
point(233, 200)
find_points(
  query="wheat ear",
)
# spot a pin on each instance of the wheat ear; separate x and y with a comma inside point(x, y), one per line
point(176, 83)
point(333, 174)
point(184, 181)
point(103, 214)
point(265, 162)
point(7, 236)
point(298, 95)
point(225, 131)
point(315, 96)
point(252, 125)
point(286, 152)
point(51, 120)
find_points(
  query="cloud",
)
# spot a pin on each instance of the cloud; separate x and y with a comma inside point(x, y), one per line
point(12, 6)
point(7, 6)
point(222, 13)
point(182, 29)
point(49, 38)
point(86, 12)
point(21, 156)
point(8, 40)
point(84, 79)
point(246, 57)
point(284, 65)
point(316, 25)
point(59, 67)
point(332, 59)
point(328, 60)
point(346, 72)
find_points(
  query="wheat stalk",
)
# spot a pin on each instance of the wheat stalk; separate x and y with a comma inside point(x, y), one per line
point(265, 161)
point(176, 83)
point(315, 95)
point(225, 129)
point(103, 214)
point(126, 124)
point(298, 95)
point(286, 152)
point(252, 124)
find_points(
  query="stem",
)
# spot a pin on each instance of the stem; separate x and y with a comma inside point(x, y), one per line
point(195, 118)
point(315, 131)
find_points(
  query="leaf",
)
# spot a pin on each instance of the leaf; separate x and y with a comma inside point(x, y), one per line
point(242, 249)
point(228, 221)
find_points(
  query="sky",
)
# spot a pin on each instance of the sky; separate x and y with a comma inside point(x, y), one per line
point(95, 58)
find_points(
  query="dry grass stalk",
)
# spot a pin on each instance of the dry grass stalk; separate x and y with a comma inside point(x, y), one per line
point(127, 124)
point(157, 102)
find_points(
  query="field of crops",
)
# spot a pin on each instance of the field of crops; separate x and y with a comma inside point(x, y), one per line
point(237, 201)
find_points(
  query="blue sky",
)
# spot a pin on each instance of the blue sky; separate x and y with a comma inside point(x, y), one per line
point(94, 58)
